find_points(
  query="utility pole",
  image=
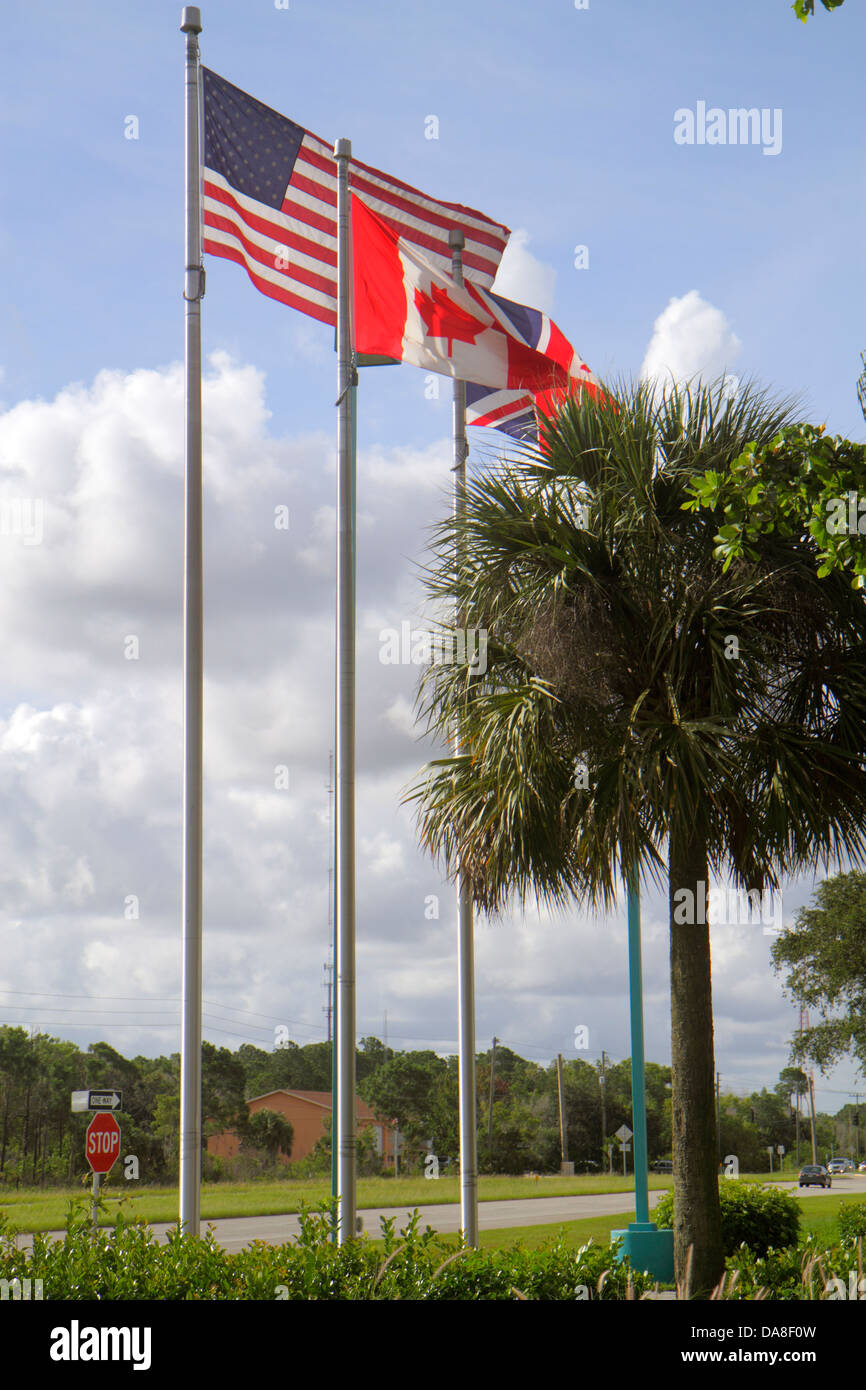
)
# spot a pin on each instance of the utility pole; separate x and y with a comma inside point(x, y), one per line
point(490, 1101)
point(604, 1111)
point(804, 1024)
point(718, 1114)
point(812, 1117)
point(563, 1145)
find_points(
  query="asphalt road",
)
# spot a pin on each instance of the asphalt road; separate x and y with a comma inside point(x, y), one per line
point(233, 1233)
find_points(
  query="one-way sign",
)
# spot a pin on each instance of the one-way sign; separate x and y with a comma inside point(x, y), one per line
point(97, 1100)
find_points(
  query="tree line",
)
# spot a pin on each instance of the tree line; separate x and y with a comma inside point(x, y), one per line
point(415, 1092)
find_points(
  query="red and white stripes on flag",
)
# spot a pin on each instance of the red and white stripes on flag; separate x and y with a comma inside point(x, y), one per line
point(270, 203)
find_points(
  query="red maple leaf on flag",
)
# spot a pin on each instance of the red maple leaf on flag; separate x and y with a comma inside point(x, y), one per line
point(445, 319)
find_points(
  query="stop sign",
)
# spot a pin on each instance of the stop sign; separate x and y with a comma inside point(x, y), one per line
point(103, 1142)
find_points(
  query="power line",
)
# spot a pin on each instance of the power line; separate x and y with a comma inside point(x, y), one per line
point(62, 1010)
point(151, 998)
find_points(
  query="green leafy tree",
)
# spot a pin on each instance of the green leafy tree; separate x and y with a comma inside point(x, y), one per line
point(804, 8)
point(824, 954)
point(802, 487)
point(615, 720)
point(223, 1081)
point(401, 1089)
point(166, 1128)
point(792, 1082)
point(269, 1132)
point(582, 1089)
point(443, 1117)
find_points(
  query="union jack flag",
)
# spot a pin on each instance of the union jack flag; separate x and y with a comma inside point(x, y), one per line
point(515, 412)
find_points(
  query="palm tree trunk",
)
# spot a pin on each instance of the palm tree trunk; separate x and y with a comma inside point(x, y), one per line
point(697, 1216)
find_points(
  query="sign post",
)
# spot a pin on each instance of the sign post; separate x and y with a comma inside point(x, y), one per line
point(102, 1147)
point(97, 1100)
point(623, 1134)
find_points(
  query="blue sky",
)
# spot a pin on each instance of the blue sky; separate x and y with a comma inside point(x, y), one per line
point(556, 121)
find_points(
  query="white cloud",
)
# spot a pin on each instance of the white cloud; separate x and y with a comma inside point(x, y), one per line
point(524, 278)
point(90, 752)
point(690, 338)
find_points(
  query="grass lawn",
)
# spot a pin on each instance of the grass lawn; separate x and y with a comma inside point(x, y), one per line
point(818, 1217)
point(33, 1209)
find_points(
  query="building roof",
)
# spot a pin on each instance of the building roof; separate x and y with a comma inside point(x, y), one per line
point(320, 1098)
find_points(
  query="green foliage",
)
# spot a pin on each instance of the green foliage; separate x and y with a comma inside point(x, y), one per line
point(402, 1088)
point(795, 488)
point(130, 1263)
point(42, 1143)
point(852, 1221)
point(608, 627)
point(268, 1131)
point(806, 1272)
point(803, 8)
point(763, 1218)
point(825, 953)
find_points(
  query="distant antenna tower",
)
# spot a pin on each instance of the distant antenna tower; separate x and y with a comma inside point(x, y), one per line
point(327, 1008)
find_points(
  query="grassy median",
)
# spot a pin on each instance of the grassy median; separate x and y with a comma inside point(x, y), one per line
point(34, 1209)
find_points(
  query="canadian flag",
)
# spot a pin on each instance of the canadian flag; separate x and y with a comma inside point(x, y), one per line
point(407, 310)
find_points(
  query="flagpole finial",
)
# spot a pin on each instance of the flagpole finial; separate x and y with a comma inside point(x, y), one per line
point(343, 149)
point(190, 20)
point(456, 239)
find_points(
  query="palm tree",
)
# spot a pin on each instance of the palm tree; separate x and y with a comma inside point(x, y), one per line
point(715, 719)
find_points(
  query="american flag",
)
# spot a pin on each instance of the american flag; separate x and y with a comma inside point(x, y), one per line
point(270, 203)
point(514, 412)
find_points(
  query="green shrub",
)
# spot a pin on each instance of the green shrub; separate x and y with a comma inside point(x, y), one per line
point(852, 1221)
point(763, 1218)
point(128, 1262)
point(805, 1273)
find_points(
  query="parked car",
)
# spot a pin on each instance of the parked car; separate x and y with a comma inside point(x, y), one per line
point(815, 1175)
point(840, 1165)
point(662, 1165)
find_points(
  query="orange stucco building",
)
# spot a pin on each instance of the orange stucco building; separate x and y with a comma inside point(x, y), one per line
point(306, 1112)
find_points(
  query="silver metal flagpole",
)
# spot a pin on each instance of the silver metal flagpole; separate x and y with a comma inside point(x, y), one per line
point(465, 935)
point(190, 1047)
point(345, 750)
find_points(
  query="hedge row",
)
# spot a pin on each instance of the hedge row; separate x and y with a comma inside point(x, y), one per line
point(129, 1263)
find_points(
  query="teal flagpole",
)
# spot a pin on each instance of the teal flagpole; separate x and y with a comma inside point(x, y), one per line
point(638, 1067)
point(646, 1247)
